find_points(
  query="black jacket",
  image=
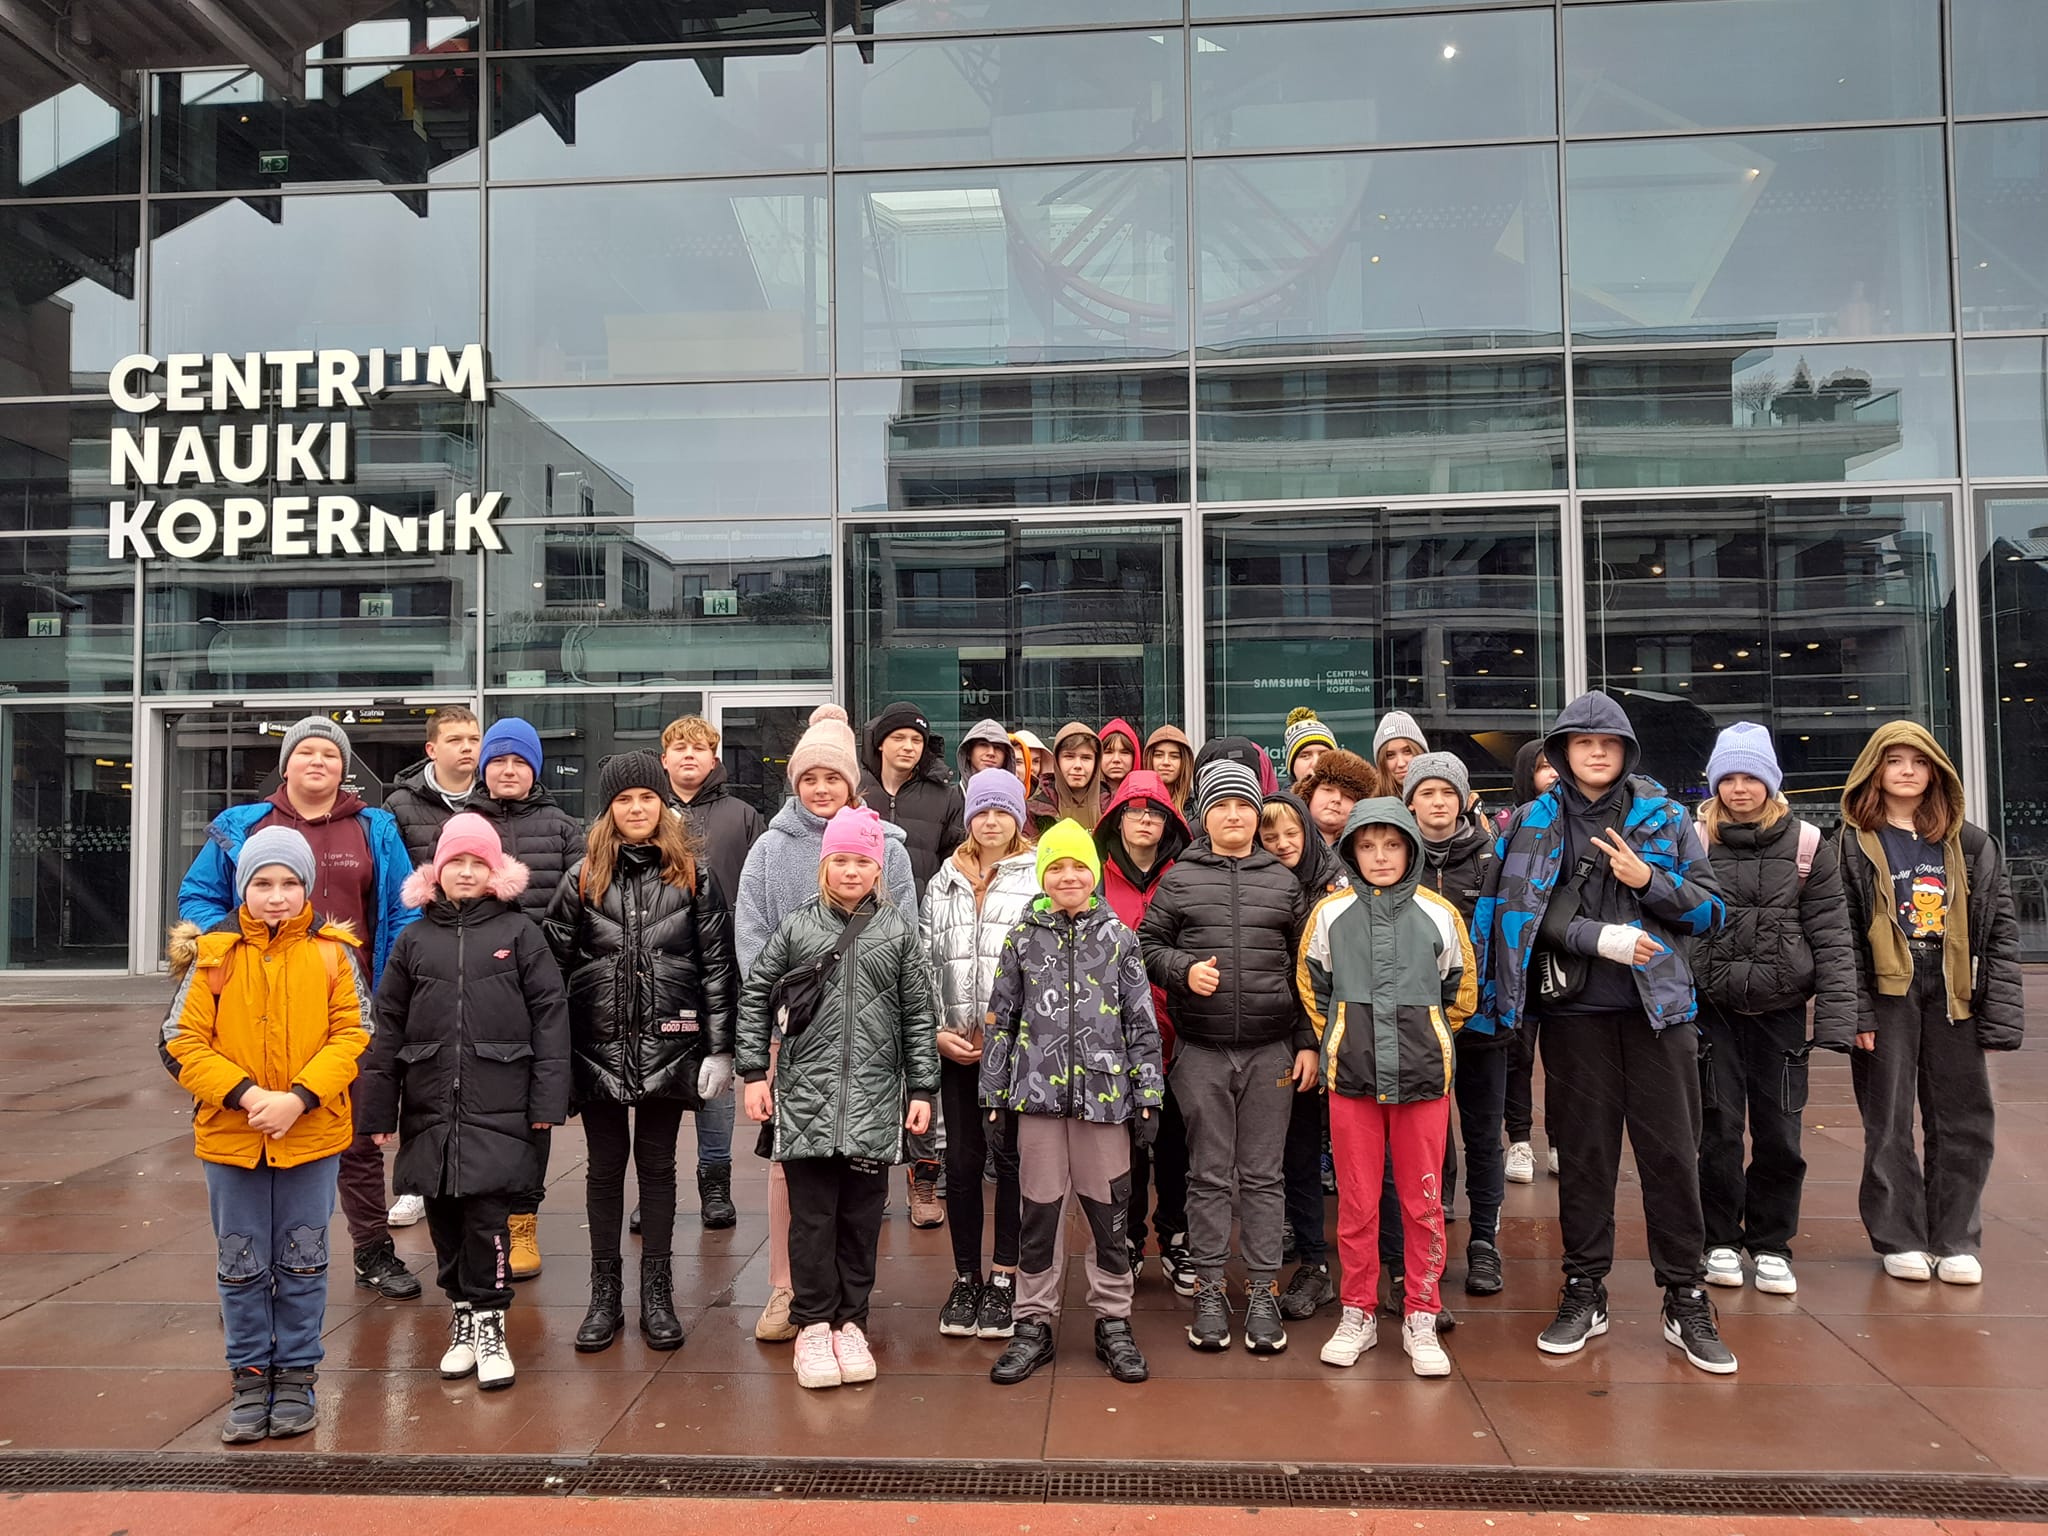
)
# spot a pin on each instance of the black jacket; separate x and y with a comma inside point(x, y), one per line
point(421, 812)
point(1456, 868)
point(725, 825)
point(539, 834)
point(1246, 912)
point(929, 808)
point(652, 980)
point(470, 1050)
point(1781, 943)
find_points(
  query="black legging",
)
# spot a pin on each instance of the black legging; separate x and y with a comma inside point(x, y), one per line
point(651, 1139)
point(967, 1144)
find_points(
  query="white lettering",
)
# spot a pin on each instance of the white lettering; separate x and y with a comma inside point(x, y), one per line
point(288, 516)
point(188, 457)
point(242, 471)
point(241, 522)
point(338, 374)
point(437, 531)
point(334, 526)
point(288, 365)
point(295, 459)
point(340, 457)
point(124, 530)
point(139, 365)
point(238, 382)
point(126, 453)
point(205, 528)
point(473, 520)
point(376, 370)
point(181, 375)
point(408, 365)
point(389, 532)
point(463, 377)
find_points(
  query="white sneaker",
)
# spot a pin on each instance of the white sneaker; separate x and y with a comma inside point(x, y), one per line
point(1960, 1269)
point(1521, 1163)
point(816, 1364)
point(856, 1360)
point(1553, 1163)
point(1724, 1267)
point(1425, 1354)
point(406, 1211)
point(1774, 1275)
point(461, 1357)
point(1908, 1266)
point(1357, 1331)
point(493, 1359)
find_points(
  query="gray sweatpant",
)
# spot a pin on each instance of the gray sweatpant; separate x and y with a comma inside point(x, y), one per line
point(1059, 1160)
point(1237, 1104)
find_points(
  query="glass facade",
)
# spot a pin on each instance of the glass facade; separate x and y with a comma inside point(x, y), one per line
point(1181, 359)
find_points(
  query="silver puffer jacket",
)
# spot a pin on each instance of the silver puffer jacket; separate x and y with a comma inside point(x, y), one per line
point(965, 944)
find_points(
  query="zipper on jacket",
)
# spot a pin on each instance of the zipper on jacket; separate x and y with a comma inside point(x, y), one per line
point(630, 1021)
point(1073, 1062)
point(845, 1038)
point(461, 1036)
point(1237, 957)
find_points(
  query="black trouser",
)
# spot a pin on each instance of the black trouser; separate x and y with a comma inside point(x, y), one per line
point(1921, 1055)
point(471, 1248)
point(1606, 1073)
point(527, 1201)
point(1755, 1069)
point(1302, 1169)
point(968, 1143)
point(650, 1138)
point(1166, 1166)
point(835, 1220)
point(1520, 1110)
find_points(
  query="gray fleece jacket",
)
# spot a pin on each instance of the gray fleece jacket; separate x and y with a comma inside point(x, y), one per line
point(781, 874)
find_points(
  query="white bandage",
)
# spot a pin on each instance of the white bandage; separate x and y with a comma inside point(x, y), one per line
point(1618, 943)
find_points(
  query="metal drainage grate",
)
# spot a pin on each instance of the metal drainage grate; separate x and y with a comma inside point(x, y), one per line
point(1251, 1486)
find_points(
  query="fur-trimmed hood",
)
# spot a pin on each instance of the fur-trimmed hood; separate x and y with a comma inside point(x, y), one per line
point(507, 881)
point(187, 944)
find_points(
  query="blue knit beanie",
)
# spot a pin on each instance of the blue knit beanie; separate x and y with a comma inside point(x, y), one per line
point(511, 737)
point(1744, 748)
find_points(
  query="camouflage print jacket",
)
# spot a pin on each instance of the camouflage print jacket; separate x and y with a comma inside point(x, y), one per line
point(1070, 1026)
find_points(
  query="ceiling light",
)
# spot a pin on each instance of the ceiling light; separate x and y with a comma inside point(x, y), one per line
point(1450, 50)
point(1720, 666)
point(1813, 645)
point(1656, 570)
point(1739, 655)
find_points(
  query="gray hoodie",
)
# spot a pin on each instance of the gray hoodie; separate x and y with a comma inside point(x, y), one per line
point(991, 732)
point(781, 874)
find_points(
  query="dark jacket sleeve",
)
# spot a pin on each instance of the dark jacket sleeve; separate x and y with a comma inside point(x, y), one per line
point(1824, 918)
point(1855, 873)
point(1305, 1037)
point(376, 1085)
point(1997, 1000)
point(1142, 1049)
point(1158, 934)
point(718, 970)
point(953, 829)
point(565, 918)
point(1687, 897)
point(547, 1005)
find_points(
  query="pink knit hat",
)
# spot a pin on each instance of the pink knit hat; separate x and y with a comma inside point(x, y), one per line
point(466, 833)
point(854, 829)
point(827, 744)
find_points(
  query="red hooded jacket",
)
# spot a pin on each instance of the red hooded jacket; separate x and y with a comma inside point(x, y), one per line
point(1129, 892)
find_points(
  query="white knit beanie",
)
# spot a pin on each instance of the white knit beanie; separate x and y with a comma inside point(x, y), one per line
point(827, 743)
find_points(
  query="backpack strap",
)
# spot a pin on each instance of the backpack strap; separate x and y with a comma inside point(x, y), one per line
point(1809, 845)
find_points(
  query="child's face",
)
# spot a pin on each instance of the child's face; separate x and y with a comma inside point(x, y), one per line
point(1143, 824)
point(1069, 884)
point(992, 830)
point(849, 877)
point(1305, 760)
point(985, 754)
point(453, 751)
point(689, 764)
point(508, 778)
point(823, 792)
point(315, 768)
point(1282, 837)
point(465, 876)
point(1382, 855)
point(902, 749)
point(1545, 775)
point(1436, 809)
point(1117, 759)
point(1395, 758)
point(1743, 795)
point(275, 895)
point(636, 813)
point(1077, 764)
point(1166, 760)
point(1232, 825)
point(1596, 761)
point(1331, 808)
point(1905, 773)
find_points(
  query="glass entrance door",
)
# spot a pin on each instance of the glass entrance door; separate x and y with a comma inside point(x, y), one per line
point(64, 836)
point(756, 733)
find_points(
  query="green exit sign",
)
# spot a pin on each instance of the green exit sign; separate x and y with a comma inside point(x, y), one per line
point(274, 163)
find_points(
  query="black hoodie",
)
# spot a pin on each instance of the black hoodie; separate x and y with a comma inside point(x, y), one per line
point(724, 824)
point(1609, 987)
point(1319, 869)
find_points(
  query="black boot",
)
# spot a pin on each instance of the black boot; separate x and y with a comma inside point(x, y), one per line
point(379, 1269)
point(1117, 1348)
point(658, 1323)
point(714, 1197)
point(1030, 1347)
point(601, 1324)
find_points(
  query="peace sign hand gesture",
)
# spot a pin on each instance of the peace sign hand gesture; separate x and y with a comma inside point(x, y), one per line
point(1623, 860)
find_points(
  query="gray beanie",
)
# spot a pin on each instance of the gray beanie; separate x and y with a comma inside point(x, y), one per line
point(1227, 779)
point(1436, 765)
point(273, 845)
point(313, 725)
point(1397, 725)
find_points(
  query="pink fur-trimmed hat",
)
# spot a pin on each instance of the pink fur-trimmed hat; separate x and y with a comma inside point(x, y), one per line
point(466, 833)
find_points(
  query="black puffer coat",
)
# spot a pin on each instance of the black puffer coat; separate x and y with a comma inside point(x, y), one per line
point(539, 834)
point(1456, 869)
point(421, 812)
point(652, 980)
point(471, 1050)
point(1780, 944)
point(1246, 912)
point(929, 808)
point(725, 825)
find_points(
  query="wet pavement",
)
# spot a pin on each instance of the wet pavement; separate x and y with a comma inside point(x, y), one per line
point(109, 1336)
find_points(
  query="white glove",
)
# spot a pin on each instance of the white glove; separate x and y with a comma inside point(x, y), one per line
point(714, 1077)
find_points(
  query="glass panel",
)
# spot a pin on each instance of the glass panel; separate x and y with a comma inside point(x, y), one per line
point(2005, 406)
point(1819, 619)
point(1036, 439)
point(1370, 81)
point(1813, 234)
point(883, 17)
point(950, 269)
point(1767, 415)
point(411, 26)
point(67, 617)
point(221, 130)
point(755, 741)
point(67, 297)
point(67, 144)
point(2014, 577)
point(2001, 55)
point(724, 110)
point(2002, 224)
point(727, 451)
point(1646, 68)
point(1034, 624)
point(702, 277)
point(1432, 248)
point(1206, 8)
point(53, 465)
point(1013, 98)
point(608, 23)
point(634, 601)
point(377, 269)
point(1381, 429)
point(1450, 614)
point(64, 837)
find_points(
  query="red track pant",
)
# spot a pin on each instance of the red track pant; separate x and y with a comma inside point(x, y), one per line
point(1362, 1133)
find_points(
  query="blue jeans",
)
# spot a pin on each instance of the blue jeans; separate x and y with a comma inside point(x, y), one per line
point(714, 1130)
point(271, 1228)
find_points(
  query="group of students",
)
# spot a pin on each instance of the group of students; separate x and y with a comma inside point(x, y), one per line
point(1115, 975)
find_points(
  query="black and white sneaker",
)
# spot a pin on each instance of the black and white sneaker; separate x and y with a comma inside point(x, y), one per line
point(1689, 1323)
point(1210, 1328)
point(1482, 1268)
point(995, 1317)
point(1263, 1334)
point(958, 1316)
point(1581, 1315)
point(1178, 1265)
point(1308, 1292)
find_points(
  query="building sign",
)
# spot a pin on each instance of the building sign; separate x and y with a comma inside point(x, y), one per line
point(167, 470)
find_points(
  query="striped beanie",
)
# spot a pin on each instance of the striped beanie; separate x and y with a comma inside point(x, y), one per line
point(1305, 730)
point(1226, 779)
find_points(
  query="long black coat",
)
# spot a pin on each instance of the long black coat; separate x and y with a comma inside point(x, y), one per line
point(1246, 912)
point(653, 982)
point(470, 1052)
point(539, 834)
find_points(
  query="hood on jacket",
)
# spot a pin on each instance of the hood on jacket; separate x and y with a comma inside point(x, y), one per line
point(1318, 864)
point(991, 733)
point(1383, 811)
point(796, 819)
point(716, 786)
point(1905, 733)
point(1525, 770)
point(506, 882)
point(1592, 714)
point(1178, 737)
point(1084, 805)
point(1239, 749)
point(901, 717)
point(1122, 727)
point(1141, 784)
point(345, 805)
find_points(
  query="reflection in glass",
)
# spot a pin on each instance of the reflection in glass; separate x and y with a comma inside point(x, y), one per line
point(631, 601)
point(2002, 224)
point(1433, 248)
point(965, 268)
point(607, 23)
point(2005, 405)
point(364, 270)
point(1649, 68)
point(652, 280)
point(1012, 98)
point(68, 617)
point(663, 450)
point(1814, 234)
point(409, 26)
point(1817, 619)
point(71, 144)
point(2001, 55)
point(1202, 9)
point(1449, 614)
point(1032, 439)
point(221, 130)
point(1767, 415)
point(1032, 624)
point(67, 294)
point(2013, 577)
point(883, 17)
point(53, 465)
point(719, 111)
point(1381, 429)
point(64, 862)
point(1379, 80)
